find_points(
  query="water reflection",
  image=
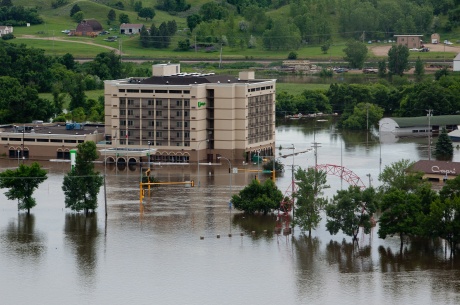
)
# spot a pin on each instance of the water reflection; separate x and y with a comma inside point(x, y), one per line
point(81, 234)
point(262, 225)
point(22, 239)
point(349, 256)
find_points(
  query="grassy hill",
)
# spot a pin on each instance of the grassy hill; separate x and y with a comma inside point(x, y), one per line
point(54, 42)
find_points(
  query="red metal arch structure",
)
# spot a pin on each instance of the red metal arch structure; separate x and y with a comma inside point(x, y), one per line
point(342, 172)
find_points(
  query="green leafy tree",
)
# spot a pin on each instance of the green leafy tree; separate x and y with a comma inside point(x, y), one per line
point(444, 148)
point(325, 47)
point(363, 117)
point(82, 184)
point(292, 55)
point(112, 15)
point(268, 166)
point(382, 66)
point(355, 54)
point(282, 36)
point(75, 9)
point(419, 68)
point(444, 221)
point(213, 10)
point(451, 189)
point(123, 18)
point(183, 45)
point(399, 175)
point(309, 201)
point(398, 59)
point(78, 17)
point(192, 21)
point(137, 6)
point(258, 197)
point(22, 183)
point(350, 210)
point(402, 214)
point(147, 13)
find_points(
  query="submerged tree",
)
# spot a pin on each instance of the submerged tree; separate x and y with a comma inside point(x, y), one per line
point(309, 203)
point(351, 209)
point(258, 197)
point(81, 185)
point(22, 183)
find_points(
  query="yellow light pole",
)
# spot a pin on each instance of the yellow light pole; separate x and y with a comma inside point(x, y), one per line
point(198, 159)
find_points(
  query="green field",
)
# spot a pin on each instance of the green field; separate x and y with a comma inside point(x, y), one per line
point(296, 89)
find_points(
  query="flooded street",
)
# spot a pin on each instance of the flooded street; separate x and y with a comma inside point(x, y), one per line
point(154, 254)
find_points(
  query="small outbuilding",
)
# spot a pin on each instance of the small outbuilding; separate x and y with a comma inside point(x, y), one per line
point(130, 28)
point(410, 41)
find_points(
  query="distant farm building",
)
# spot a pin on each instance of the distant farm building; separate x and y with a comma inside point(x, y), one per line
point(410, 41)
point(130, 28)
point(88, 27)
point(419, 126)
point(435, 38)
point(4, 29)
point(297, 65)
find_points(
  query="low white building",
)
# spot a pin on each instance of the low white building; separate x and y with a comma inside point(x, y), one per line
point(5, 29)
point(456, 66)
point(418, 126)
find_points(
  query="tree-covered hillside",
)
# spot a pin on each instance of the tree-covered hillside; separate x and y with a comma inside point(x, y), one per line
point(266, 24)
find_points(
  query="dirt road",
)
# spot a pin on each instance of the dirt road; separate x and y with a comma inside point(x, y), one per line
point(72, 41)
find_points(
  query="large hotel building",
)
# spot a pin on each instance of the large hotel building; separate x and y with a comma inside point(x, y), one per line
point(170, 117)
point(186, 116)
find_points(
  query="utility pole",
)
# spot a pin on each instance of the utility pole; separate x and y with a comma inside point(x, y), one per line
point(429, 132)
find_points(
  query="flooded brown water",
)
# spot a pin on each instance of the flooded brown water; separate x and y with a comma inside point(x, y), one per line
point(154, 254)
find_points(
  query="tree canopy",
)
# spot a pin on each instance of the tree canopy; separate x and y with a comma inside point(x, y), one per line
point(258, 197)
point(22, 183)
point(355, 54)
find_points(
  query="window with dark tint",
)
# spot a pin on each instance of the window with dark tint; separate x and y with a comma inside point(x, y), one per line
point(186, 91)
point(161, 91)
point(121, 90)
point(133, 90)
point(175, 91)
point(146, 91)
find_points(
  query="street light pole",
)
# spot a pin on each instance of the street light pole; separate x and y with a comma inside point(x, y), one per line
point(18, 156)
point(149, 143)
point(198, 159)
point(230, 202)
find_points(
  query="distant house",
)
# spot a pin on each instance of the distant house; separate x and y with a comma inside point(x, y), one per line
point(456, 66)
point(435, 38)
point(88, 27)
point(418, 126)
point(410, 41)
point(130, 28)
point(4, 29)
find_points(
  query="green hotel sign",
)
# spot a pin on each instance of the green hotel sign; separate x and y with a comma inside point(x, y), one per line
point(201, 104)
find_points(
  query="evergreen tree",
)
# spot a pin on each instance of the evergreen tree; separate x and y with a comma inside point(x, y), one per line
point(419, 68)
point(75, 9)
point(22, 183)
point(444, 148)
point(81, 185)
point(398, 59)
point(144, 37)
point(112, 16)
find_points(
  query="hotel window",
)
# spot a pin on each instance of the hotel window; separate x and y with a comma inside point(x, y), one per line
point(159, 123)
point(151, 112)
point(178, 124)
point(122, 112)
point(131, 112)
point(178, 134)
point(131, 102)
point(179, 113)
point(187, 102)
point(151, 123)
point(151, 133)
point(185, 113)
point(186, 134)
point(130, 123)
point(159, 102)
point(122, 102)
point(178, 103)
point(149, 102)
point(159, 134)
point(185, 124)
point(159, 113)
point(122, 123)
point(186, 91)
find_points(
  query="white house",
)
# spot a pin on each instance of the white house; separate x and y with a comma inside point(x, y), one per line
point(457, 63)
point(4, 29)
point(130, 28)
